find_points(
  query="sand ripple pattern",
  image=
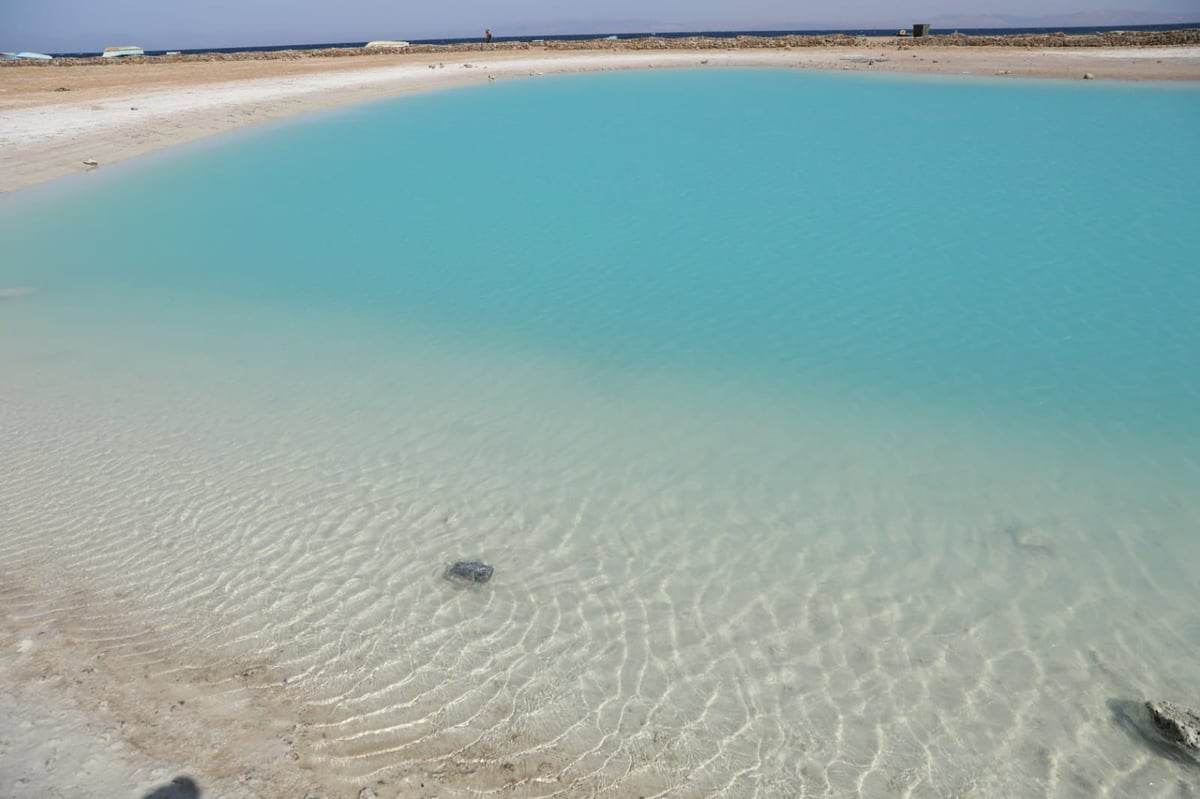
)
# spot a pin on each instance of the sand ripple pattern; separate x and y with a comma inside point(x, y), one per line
point(673, 615)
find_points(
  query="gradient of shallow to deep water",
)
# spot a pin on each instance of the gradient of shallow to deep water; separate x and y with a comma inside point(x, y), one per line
point(829, 435)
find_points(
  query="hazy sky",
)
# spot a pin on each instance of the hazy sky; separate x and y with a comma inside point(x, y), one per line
point(91, 25)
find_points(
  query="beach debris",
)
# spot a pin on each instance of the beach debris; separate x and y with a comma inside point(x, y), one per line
point(1088, 76)
point(62, 89)
point(470, 571)
point(122, 51)
point(1176, 724)
point(1004, 72)
point(1028, 540)
point(90, 162)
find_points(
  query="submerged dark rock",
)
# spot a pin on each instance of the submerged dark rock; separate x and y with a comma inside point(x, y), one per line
point(1176, 724)
point(471, 571)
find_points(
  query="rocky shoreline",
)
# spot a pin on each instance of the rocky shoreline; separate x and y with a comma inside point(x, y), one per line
point(1182, 37)
point(1186, 36)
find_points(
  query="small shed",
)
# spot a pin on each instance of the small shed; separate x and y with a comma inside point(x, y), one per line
point(920, 29)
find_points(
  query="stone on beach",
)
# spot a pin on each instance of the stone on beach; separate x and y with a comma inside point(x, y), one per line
point(1176, 724)
point(471, 571)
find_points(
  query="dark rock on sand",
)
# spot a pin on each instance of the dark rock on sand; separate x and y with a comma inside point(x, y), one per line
point(179, 788)
point(471, 571)
point(1177, 724)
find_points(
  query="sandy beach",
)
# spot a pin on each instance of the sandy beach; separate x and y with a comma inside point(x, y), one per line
point(56, 118)
point(73, 724)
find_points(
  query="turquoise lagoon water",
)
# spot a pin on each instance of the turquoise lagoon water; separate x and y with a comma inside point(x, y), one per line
point(830, 435)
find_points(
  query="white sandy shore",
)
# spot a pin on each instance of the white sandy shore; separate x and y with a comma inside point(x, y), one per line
point(1133, 54)
point(127, 111)
point(48, 749)
point(60, 740)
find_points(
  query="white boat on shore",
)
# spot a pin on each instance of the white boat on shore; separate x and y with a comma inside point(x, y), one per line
point(19, 56)
point(117, 52)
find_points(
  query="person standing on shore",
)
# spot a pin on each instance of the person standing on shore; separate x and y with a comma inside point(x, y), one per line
point(487, 36)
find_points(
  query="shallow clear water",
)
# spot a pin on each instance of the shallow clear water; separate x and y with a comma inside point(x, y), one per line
point(829, 435)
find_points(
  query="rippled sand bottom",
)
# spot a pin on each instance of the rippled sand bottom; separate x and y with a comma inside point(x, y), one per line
point(228, 556)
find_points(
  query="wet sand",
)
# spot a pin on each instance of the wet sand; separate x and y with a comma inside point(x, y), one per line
point(57, 117)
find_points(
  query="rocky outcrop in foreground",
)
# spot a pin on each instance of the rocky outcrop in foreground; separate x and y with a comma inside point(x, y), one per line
point(1176, 724)
point(1190, 36)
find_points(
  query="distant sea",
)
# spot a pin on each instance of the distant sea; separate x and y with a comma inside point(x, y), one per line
point(676, 35)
